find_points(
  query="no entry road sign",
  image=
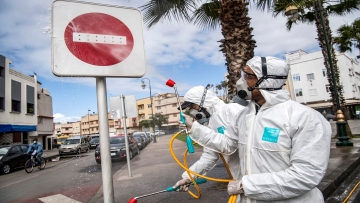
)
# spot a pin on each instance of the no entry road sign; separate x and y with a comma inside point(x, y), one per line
point(96, 40)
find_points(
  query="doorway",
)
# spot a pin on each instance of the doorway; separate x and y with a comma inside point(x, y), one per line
point(25, 138)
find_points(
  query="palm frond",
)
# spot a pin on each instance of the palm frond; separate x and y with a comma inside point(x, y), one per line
point(157, 10)
point(343, 8)
point(207, 15)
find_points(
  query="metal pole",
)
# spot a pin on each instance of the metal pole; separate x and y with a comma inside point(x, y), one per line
point(341, 124)
point(89, 120)
point(106, 170)
point(122, 101)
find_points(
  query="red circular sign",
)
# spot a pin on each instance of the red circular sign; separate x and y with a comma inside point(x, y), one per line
point(98, 39)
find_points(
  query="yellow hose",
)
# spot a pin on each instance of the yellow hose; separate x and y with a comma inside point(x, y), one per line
point(352, 191)
point(232, 198)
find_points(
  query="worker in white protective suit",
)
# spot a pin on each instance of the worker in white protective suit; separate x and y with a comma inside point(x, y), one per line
point(214, 118)
point(283, 148)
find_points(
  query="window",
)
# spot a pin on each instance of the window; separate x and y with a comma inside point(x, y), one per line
point(24, 148)
point(2, 71)
point(15, 106)
point(324, 71)
point(310, 76)
point(150, 115)
point(30, 101)
point(40, 120)
point(30, 108)
point(296, 77)
point(158, 108)
point(312, 92)
point(149, 105)
point(16, 137)
point(141, 107)
point(298, 92)
point(15, 96)
point(15, 149)
point(174, 105)
point(327, 88)
point(2, 105)
point(66, 129)
point(174, 115)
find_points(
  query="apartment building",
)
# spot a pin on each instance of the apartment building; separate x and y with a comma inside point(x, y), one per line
point(76, 128)
point(90, 124)
point(45, 117)
point(309, 84)
point(167, 105)
point(144, 110)
point(22, 114)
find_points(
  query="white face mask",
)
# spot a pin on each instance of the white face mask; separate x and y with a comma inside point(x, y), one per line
point(242, 88)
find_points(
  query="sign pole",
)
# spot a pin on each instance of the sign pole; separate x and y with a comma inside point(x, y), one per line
point(122, 101)
point(106, 170)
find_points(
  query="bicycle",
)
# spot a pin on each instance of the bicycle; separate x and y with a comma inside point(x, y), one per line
point(31, 163)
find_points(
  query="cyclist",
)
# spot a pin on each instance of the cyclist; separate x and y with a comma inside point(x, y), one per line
point(36, 149)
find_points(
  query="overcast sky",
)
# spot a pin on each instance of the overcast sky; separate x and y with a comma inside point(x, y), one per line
point(179, 51)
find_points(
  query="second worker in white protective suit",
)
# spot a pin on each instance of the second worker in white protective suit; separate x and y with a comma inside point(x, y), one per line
point(215, 117)
point(285, 146)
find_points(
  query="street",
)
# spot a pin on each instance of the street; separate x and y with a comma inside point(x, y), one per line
point(78, 178)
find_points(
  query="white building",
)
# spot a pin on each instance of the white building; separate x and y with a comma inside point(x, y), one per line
point(18, 118)
point(309, 84)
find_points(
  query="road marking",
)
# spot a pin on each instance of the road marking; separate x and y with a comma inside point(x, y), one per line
point(19, 181)
point(58, 198)
point(127, 177)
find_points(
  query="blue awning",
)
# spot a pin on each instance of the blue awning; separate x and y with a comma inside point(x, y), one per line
point(17, 128)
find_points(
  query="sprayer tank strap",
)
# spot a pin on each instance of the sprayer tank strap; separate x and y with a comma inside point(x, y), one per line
point(203, 98)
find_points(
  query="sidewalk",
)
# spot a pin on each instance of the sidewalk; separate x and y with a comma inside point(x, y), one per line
point(154, 170)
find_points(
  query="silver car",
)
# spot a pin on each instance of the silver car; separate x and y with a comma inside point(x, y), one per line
point(74, 145)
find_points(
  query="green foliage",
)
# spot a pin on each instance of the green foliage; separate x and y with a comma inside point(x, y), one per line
point(159, 119)
point(204, 15)
point(144, 124)
point(348, 37)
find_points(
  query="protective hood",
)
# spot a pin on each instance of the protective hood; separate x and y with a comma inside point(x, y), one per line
point(194, 95)
point(275, 66)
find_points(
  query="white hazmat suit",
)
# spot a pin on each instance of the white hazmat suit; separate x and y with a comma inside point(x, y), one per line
point(283, 148)
point(221, 115)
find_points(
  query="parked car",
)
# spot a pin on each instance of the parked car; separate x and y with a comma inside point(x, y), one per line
point(140, 142)
point(94, 143)
point(143, 135)
point(331, 117)
point(159, 132)
point(74, 145)
point(149, 136)
point(118, 148)
point(12, 157)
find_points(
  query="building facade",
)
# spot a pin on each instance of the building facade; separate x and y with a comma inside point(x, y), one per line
point(309, 84)
point(45, 117)
point(21, 117)
point(167, 105)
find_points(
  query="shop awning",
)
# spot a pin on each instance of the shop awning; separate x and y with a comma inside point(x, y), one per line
point(17, 128)
point(320, 105)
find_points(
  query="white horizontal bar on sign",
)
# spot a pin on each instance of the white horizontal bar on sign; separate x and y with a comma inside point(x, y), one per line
point(97, 38)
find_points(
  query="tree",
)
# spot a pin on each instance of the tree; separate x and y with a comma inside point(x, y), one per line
point(144, 124)
point(237, 44)
point(308, 12)
point(159, 119)
point(348, 37)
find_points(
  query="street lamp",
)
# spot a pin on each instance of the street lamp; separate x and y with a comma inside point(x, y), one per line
point(292, 13)
point(151, 103)
point(89, 120)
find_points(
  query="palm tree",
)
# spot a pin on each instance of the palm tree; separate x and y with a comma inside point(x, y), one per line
point(237, 44)
point(308, 12)
point(348, 37)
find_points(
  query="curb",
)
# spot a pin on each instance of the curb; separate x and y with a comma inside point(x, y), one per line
point(333, 180)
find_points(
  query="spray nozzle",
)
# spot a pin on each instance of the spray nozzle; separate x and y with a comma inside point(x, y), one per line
point(170, 83)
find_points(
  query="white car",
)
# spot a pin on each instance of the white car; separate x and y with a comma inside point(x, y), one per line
point(159, 132)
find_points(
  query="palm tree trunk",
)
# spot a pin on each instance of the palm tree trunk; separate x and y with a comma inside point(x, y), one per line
point(322, 43)
point(237, 45)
